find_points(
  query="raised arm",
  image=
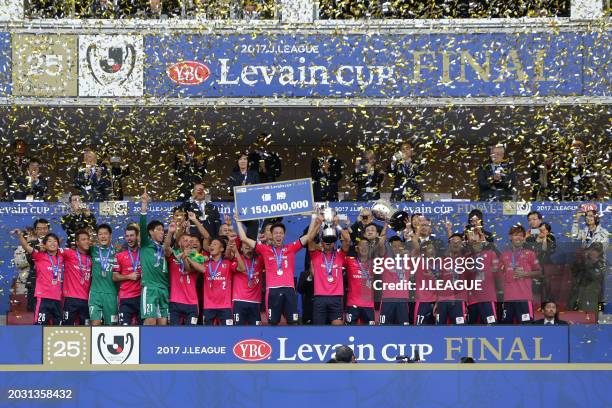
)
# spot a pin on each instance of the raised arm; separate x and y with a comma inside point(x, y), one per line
point(203, 231)
point(168, 239)
point(345, 236)
point(238, 257)
point(242, 234)
point(22, 241)
point(382, 240)
point(144, 206)
point(313, 229)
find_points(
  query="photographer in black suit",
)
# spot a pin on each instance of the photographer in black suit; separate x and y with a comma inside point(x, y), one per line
point(551, 316)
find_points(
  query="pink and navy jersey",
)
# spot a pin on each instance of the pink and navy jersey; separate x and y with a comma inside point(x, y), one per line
point(424, 279)
point(218, 283)
point(487, 276)
point(391, 277)
point(521, 288)
point(452, 274)
point(128, 288)
point(286, 256)
point(359, 280)
point(247, 285)
point(77, 278)
point(327, 282)
point(49, 274)
point(182, 282)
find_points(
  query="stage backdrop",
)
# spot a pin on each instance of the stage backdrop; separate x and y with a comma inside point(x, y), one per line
point(90, 347)
point(499, 217)
point(324, 65)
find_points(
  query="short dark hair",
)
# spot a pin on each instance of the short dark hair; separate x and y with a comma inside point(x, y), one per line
point(40, 221)
point(547, 301)
point(81, 232)
point(370, 225)
point(72, 195)
point(222, 239)
point(476, 212)
point(467, 360)
point(154, 224)
point(517, 229)
point(344, 354)
point(536, 213)
point(455, 234)
point(50, 235)
point(394, 238)
point(547, 226)
point(106, 227)
point(278, 225)
point(35, 160)
point(133, 228)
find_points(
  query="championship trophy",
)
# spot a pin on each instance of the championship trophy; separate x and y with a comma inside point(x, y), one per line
point(328, 230)
point(382, 210)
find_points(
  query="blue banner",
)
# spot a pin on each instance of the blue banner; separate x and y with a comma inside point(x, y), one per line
point(269, 200)
point(5, 65)
point(378, 66)
point(21, 345)
point(462, 386)
point(591, 344)
point(201, 345)
point(498, 218)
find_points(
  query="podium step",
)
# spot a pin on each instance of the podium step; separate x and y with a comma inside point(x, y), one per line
point(20, 319)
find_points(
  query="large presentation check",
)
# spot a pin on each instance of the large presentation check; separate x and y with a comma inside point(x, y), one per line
point(269, 200)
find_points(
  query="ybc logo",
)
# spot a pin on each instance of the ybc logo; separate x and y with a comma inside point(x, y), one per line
point(252, 350)
point(115, 345)
point(188, 73)
point(110, 65)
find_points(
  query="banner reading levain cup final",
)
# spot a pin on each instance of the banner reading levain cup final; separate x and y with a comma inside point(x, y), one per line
point(381, 66)
point(311, 344)
point(269, 200)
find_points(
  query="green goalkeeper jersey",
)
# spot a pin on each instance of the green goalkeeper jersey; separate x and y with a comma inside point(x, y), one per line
point(152, 260)
point(102, 263)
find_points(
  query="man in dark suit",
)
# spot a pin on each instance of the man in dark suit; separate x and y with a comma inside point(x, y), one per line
point(496, 178)
point(263, 161)
point(551, 318)
point(207, 213)
point(32, 185)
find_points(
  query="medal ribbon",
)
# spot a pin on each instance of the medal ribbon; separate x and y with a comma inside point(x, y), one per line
point(87, 266)
point(104, 260)
point(279, 258)
point(55, 267)
point(329, 265)
point(212, 272)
